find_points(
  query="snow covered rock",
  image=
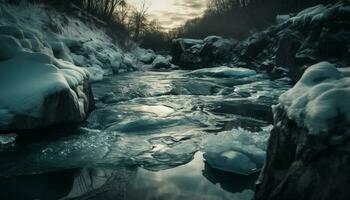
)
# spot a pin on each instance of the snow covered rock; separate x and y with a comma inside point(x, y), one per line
point(309, 145)
point(254, 45)
point(146, 56)
point(194, 53)
point(36, 89)
point(217, 48)
point(161, 62)
point(319, 101)
point(319, 33)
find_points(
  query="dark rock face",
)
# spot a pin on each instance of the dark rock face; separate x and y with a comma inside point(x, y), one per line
point(305, 167)
point(254, 46)
point(320, 33)
point(194, 54)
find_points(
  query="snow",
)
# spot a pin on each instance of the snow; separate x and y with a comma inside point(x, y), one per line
point(161, 62)
point(238, 151)
point(319, 101)
point(42, 29)
point(312, 13)
point(7, 138)
point(96, 73)
point(224, 71)
point(280, 19)
point(27, 78)
point(318, 13)
point(144, 55)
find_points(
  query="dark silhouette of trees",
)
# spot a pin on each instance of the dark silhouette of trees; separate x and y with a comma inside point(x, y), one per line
point(138, 20)
point(238, 18)
point(107, 10)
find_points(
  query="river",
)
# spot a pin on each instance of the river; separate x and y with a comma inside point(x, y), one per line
point(152, 135)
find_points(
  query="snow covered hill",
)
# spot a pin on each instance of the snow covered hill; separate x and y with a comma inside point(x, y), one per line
point(47, 60)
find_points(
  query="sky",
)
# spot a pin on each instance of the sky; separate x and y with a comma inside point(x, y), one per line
point(173, 13)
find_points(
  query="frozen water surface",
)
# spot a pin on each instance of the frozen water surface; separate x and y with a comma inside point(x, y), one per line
point(182, 134)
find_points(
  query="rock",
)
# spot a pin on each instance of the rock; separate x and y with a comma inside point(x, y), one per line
point(319, 33)
point(160, 62)
point(185, 53)
point(217, 48)
point(287, 48)
point(255, 45)
point(146, 56)
point(37, 90)
point(194, 54)
point(333, 45)
point(109, 98)
point(302, 166)
point(309, 146)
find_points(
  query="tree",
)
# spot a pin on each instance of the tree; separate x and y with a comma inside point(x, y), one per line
point(138, 20)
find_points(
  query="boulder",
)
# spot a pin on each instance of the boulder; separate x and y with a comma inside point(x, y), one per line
point(286, 52)
point(160, 62)
point(302, 166)
point(299, 40)
point(255, 45)
point(308, 154)
point(217, 49)
point(194, 54)
point(186, 53)
point(37, 90)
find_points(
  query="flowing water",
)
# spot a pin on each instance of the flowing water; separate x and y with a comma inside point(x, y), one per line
point(152, 135)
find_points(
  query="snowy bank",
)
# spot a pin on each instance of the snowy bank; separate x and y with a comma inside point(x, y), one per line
point(68, 38)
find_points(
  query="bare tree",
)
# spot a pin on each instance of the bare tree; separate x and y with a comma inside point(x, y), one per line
point(138, 20)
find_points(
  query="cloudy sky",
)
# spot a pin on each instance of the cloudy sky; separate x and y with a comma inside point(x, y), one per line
point(173, 13)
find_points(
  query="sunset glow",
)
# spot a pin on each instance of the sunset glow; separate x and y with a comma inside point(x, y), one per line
point(173, 13)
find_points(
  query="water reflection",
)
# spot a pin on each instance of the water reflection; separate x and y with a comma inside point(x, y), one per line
point(184, 182)
point(195, 180)
point(52, 185)
point(229, 181)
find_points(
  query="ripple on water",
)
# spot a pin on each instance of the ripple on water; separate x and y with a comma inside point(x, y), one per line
point(158, 121)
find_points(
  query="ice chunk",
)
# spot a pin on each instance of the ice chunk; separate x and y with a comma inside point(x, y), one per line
point(238, 162)
point(224, 71)
point(238, 151)
point(319, 101)
point(160, 111)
